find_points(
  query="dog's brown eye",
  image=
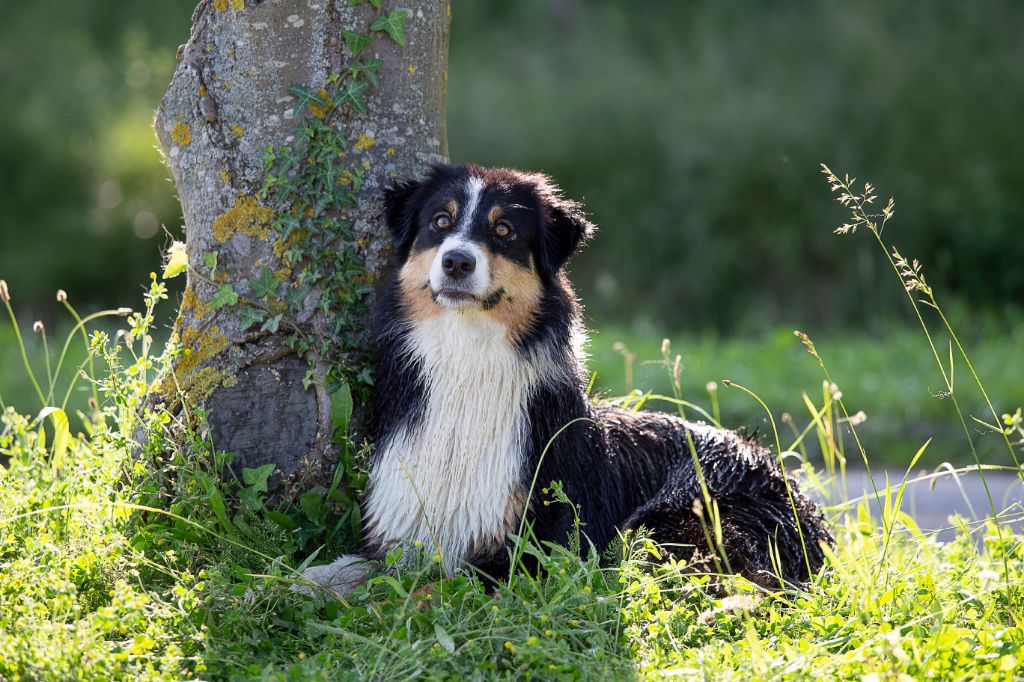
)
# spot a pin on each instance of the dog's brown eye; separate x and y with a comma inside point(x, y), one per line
point(442, 221)
point(502, 229)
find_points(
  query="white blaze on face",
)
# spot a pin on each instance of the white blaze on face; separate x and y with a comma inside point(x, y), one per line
point(477, 283)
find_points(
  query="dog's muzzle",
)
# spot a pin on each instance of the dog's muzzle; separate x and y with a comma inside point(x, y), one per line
point(459, 274)
point(458, 264)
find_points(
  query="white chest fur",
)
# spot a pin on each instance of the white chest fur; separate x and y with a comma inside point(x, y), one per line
point(448, 480)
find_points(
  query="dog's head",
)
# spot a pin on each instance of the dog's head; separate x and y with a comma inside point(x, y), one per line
point(466, 237)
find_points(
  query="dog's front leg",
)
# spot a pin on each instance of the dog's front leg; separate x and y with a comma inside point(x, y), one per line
point(342, 576)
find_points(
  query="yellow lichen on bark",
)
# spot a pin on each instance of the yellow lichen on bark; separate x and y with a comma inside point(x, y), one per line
point(222, 5)
point(181, 133)
point(364, 142)
point(189, 301)
point(200, 385)
point(196, 382)
point(281, 246)
point(246, 217)
point(199, 347)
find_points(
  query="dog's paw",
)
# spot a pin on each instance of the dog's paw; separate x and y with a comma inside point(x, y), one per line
point(338, 578)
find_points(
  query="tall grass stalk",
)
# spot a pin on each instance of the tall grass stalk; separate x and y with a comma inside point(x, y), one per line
point(5, 296)
point(912, 278)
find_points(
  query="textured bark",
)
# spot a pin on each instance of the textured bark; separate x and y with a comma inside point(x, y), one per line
point(229, 101)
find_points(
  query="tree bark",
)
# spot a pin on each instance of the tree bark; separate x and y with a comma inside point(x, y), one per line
point(230, 100)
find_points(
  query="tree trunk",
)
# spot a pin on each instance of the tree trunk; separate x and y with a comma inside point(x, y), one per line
point(280, 128)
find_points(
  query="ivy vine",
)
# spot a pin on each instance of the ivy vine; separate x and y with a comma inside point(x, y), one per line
point(315, 188)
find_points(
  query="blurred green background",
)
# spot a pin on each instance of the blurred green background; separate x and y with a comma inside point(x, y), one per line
point(693, 132)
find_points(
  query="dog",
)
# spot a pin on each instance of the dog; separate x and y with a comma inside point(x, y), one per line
point(480, 402)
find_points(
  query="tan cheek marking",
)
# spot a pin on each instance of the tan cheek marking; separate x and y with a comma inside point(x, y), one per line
point(522, 295)
point(453, 209)
point(413, 280)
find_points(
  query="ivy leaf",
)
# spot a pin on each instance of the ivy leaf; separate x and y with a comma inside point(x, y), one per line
point(312, 504)
point(296, 295)
point(287, 224)
point(257, 477)
point(264, 286)
point(352, 94)
point(210, 258)
point(392, 23)
point(376, 3)
point(250, 316)
point(177, 260)
point(368, 69)
point(272, 324)
point(355, 42)
point(304, 96)
point(225, 296)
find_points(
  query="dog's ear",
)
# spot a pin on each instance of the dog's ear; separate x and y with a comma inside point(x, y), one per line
point(400, 215)
point(565, 229)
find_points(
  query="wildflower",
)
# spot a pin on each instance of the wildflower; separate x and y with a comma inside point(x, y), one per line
point(4, 294)
point(61, 295)
point(511, 647)
point(712, 387)
point(37, 327)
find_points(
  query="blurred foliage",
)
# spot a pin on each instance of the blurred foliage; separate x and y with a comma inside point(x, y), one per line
point(692, 130)
point(83, 192)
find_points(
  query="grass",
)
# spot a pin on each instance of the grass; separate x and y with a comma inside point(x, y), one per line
point(126, 554)
point(92, 587)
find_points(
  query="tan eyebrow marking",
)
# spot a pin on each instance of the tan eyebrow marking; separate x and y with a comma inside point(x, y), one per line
point(494, 214)
point(452, 207)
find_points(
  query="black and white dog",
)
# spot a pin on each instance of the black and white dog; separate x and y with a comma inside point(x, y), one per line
point(480, 386)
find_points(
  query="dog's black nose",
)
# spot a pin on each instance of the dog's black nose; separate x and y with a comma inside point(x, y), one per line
point(458, 264)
